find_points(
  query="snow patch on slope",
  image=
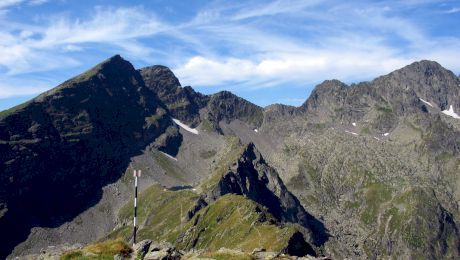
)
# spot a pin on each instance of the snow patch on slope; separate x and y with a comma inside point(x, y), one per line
point(450, 112)
point(185, 127)
point(353, 133)
point(426, 102)
point(169, 156)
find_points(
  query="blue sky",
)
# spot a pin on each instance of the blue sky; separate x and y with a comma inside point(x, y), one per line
point(265, 51)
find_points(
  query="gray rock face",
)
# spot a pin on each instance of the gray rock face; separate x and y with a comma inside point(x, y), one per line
point(148, 250)
point(252, 177)
point(426, 79)
point(225, 106)
point(276, 111)
point(142, 248)
point(183, 103)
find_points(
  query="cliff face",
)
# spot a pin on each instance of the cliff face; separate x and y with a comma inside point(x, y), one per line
point(426, 80)
point(183, 102)
point(251, 177)
point(225, 106)
point(61, 148)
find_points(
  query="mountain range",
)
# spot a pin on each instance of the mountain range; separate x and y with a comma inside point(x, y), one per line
point(362, 171)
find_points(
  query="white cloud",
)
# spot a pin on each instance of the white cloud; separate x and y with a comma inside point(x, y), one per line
point(274, 8)
point(107, 25)
point(347, 43)
point(22, 89)
point(309, 67)
point(206, 72)
point(9, 3)
point(72, 48)
point(453, 10)
point(27, 50)
point(37, 2)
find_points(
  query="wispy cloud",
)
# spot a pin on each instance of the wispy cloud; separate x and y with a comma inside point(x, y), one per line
point(453, 10)
point(344, 42)
point(37, 2)
point(274, 8)
point(9, 3)
point(23, 88)
point(22, 50)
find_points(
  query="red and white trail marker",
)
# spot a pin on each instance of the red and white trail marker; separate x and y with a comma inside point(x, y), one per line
point(137, 173)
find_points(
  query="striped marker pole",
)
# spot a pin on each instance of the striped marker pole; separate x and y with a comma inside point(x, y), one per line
point(136, 174)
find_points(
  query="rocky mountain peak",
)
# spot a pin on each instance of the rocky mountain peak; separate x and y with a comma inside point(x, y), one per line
point(326, 88)
point(330, 85)
point(326, 96)
point(160, 78)
point(111, 67)
point(183, 102)
point(224, 94)
point(424, 79)
point(425, 71)
point(424, 66)
point(113, 73)
point(226, 106)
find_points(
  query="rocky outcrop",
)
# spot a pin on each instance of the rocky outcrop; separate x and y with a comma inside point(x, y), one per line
point(225, 106)
point(169, 142)
point(297, 246)
point(149, 250)
point(183, 102)
point(277, 112)
point(252, 177)
point(424, 79)
point(335, 101)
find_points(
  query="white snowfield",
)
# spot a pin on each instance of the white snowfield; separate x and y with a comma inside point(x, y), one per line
point(256, 130)
point(185, 127)
point(169, 156)
point(451, 112)
point(386, 134)
point(354, 124)
point(353, 133)
point(426, 102)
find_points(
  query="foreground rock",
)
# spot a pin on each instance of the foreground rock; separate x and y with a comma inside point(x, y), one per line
point(148, 250)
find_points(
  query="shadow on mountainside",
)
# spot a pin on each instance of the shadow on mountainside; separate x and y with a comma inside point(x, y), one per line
point(59, 150)
point(58, 198)
point(267, 188)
